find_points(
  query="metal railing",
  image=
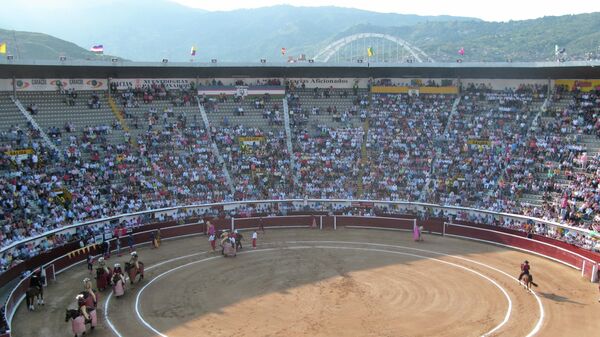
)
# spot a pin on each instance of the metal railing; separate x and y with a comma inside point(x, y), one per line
point(400, 207)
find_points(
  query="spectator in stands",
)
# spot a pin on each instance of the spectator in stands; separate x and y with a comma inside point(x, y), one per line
point(33, 109)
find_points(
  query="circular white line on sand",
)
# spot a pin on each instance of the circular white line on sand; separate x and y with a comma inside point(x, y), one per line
point(533, 332)
point(496, 328)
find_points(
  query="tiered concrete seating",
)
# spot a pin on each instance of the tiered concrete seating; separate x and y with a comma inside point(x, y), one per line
point(54, 112)
point(10, 116)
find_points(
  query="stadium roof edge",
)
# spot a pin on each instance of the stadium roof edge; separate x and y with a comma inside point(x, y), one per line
point(123, 69)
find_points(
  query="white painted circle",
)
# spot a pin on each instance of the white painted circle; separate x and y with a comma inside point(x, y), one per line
point(533, 332)
point(496, 328)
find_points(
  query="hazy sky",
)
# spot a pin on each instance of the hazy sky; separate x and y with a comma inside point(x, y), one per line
point(499, 10)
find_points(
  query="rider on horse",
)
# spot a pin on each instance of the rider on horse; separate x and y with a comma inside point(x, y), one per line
point(134, 260)
point(35, 290)
point(134, 267)
point(82, 307)
point(36, 280)
point(102, 265)
point(524, 270)
point(118, 288)
point(118, 272)
point(87, 286)
point(103, 275)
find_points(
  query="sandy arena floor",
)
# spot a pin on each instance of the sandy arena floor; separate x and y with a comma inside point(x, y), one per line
point(350, 282)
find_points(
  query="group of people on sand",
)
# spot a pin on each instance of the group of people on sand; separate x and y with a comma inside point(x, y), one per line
point(233, 239)
point(87, 300)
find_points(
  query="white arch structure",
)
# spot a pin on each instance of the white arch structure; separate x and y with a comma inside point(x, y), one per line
point(326, 54)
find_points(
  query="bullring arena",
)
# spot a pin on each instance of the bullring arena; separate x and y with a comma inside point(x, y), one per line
point(326, 282)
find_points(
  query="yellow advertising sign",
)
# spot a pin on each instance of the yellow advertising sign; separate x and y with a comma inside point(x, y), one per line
point(484, 142)
point(583, 85)
point(19, 152)
point(252, 139)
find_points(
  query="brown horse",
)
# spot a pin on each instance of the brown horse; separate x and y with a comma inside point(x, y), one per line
point(31, 294)
point(133, 271)
point(527, 281)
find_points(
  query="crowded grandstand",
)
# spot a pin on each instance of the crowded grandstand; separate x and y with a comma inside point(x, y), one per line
point(70, 156)
point(520, 154)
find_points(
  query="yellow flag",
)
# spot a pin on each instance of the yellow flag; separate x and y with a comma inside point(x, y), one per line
point(3, 48)
point(370, 51)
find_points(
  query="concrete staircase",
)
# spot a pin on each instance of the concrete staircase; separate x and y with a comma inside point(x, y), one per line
point(288, 140)
point(364, 158)
point(35, 125)
point(452, 113)
point(215, 150)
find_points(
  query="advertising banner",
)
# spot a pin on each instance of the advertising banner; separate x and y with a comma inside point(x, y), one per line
point(336, 83)
point(55, 84)
point(169, 83)
point(582, 85)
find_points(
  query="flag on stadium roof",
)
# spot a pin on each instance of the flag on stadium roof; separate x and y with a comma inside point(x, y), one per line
point(370, 51)
point(3, 48)
point(461, 51)
point(193, 51)
point(97, 48)
point(283, 51)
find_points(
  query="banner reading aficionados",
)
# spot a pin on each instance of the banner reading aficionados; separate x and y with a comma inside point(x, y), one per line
point(336, 83)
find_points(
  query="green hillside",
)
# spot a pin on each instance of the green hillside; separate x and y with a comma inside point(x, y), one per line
point(528, 40)
point(38, 46)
